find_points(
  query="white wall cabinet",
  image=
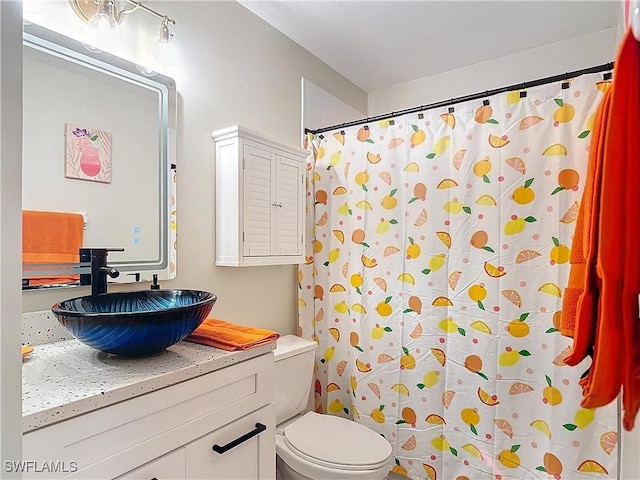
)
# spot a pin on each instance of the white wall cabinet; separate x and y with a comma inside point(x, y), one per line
point(259, 200)
point(170, 433)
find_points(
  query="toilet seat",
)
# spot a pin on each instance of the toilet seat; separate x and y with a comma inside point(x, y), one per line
point(336, 443)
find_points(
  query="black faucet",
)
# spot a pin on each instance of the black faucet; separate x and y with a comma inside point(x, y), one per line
point(99, 268)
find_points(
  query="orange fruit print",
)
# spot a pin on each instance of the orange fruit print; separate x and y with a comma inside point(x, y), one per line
point(439, 249)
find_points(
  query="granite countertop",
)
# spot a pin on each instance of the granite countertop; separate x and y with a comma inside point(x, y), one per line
point(64, 379)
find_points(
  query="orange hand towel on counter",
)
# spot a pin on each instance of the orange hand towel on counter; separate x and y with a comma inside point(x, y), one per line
point(230, 336)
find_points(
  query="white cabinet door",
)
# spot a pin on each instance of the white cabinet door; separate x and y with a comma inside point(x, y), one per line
point(168, 467)
point(288, 224)
point(273, 195)
point(244, 449)
point(258, 201)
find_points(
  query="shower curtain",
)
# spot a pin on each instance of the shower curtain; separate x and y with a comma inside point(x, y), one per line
point(439, 246)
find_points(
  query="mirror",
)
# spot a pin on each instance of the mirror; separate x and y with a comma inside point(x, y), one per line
point(98, 141)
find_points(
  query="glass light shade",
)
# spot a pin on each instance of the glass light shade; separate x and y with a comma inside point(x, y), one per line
point(104, 22)
point(165, 52)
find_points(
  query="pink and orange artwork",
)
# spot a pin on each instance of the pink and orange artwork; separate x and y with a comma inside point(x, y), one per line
point(87, 153)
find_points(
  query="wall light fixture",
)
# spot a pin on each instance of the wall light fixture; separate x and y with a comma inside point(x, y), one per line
point(104, 16)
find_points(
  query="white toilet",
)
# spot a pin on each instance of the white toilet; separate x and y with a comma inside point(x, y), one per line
point(314, 446)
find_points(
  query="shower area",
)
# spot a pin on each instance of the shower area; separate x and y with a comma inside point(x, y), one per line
point(438, 250)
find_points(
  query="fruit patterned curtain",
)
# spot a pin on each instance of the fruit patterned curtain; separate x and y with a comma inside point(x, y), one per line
point(433, 285)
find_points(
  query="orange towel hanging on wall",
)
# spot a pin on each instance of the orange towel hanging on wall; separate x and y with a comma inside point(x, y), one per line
point(51, 237)
point(609, 324)
point(580, 296)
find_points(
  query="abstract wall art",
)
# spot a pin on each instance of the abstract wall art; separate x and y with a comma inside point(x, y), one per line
point(87, 153)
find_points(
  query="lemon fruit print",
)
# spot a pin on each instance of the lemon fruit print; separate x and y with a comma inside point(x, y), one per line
point(435, 271)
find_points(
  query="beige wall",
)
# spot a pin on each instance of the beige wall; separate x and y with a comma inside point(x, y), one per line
point(233, 69)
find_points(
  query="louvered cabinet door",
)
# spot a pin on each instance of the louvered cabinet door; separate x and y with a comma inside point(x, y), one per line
point(259, 179)
point(259, 200)
point(289, 194)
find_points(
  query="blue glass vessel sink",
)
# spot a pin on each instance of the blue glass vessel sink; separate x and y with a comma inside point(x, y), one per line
point(134, 323)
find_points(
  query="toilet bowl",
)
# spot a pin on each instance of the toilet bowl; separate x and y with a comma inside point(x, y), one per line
point(313, 446)
point(325, 447)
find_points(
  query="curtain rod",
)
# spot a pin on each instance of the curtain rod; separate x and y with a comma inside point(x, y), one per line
point(475, 96)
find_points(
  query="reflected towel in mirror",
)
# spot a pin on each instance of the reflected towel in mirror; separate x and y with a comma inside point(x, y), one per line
point(51, 237)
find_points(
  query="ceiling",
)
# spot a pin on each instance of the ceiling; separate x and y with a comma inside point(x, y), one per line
point(377, 44)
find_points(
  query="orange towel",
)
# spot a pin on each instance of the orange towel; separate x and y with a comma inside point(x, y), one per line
point(579, 289)
point(608, 324)
point(229, 336)
point(618, 254)
point(51, 237)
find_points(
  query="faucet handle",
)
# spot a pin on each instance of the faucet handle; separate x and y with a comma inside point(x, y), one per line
point(103, 252)
point(99, 268)
point(97, 255)
point(87, 253)
point(112, 272)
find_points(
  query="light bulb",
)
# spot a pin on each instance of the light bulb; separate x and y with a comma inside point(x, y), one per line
point(164, 50)
point(104, 20)
point(165, 53)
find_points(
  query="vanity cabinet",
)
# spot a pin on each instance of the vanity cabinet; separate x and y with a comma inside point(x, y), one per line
point(171, 433)
point(244, 450)
point(169, 466)
point(259, 200)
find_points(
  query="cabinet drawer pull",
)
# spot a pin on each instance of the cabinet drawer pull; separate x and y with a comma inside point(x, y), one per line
point(225, 448)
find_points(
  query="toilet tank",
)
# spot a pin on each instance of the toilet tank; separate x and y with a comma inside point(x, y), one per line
point(293, 367)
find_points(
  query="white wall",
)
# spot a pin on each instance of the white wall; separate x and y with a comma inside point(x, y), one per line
point(233, 68)
point(10, 232)
point(574, 54)
point(321, 109)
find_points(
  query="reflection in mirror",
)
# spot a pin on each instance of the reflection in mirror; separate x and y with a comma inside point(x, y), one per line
point(98, 163)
